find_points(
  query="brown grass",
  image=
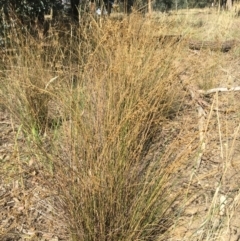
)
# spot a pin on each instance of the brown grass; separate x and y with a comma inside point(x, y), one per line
point(93, 103)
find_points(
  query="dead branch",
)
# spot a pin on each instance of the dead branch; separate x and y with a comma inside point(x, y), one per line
point(220, 89)
point(223, 46)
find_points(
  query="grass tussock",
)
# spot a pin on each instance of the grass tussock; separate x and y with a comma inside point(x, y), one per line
point(119, 103)
point(93, 101)
point(115, 88)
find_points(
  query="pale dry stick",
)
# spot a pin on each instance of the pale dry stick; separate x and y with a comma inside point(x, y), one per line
point(235, 203)
point(150, 8)
point(219, 127)
point(50, 81)
point(201, 118)
point(225, 167)
point(203, 133)
point(221, 89)
point(230, 211)
point(208, 218)
point(48, 17)
point(223, 203)
point(231, 208)
point(230, 155)
point(226, 144)
point(201, 123)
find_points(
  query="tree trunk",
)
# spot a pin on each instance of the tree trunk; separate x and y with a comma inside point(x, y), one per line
point(149, 7)
point(229, 4)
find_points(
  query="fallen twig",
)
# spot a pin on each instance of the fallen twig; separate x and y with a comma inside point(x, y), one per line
point(220, 89)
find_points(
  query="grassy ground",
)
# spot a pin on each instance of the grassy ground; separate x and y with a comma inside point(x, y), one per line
point(101, 135)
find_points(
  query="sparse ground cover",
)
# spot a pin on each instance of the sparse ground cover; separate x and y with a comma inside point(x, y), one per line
point(106, 136)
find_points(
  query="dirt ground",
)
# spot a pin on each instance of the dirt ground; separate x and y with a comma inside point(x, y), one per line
point(212, 210)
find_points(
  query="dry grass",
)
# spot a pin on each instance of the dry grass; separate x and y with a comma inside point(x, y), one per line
point(94, 102)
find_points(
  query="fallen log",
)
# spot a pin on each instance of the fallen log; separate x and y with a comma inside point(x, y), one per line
point(224, 46)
